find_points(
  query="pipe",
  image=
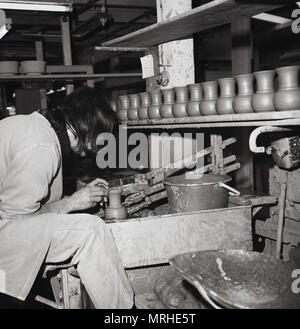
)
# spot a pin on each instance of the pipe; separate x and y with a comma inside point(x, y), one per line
point(86, 7)
point(147, 13)
point(261, 130)
point(91, 4)
point(281, 206)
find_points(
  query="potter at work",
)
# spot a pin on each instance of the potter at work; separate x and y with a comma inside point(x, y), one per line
point(32, 147)
point(150, 158)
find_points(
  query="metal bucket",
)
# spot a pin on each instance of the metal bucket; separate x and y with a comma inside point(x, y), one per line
point(192, 193)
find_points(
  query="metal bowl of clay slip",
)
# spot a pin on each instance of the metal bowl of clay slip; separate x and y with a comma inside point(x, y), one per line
point(239, 279)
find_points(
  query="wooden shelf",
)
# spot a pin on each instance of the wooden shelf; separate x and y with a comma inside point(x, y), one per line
point(67, 76)
point(286, 118)
point(212, 14)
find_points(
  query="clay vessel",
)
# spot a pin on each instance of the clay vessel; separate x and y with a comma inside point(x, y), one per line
point(115, 210)
point(9, 67)
point(144, 104)
point(153, 109)
point(122, 112)
point(113, 105)
point(208, 105)
point(287, 98)
point(134, 104)
point(182, 96)
point(169, 99)
point(242, 103)
point(119, 104)
point(33, 67)
point(263, 99)
point(227, 94)
point(193, 105)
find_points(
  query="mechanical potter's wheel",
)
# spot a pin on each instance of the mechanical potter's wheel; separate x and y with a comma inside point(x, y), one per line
point(240, 279)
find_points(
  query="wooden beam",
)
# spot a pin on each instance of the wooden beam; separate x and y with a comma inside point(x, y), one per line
point(241, 37)
point(33, 19)
point(66, 44)
point(209, 15)
point(39, 50)
point(68, 77)
point(222, 118)
point(154, 240)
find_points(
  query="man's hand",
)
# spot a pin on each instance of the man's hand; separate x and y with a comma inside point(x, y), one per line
point(88, 197)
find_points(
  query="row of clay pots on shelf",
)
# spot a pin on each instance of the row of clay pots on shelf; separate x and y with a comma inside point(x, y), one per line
point(204, 98)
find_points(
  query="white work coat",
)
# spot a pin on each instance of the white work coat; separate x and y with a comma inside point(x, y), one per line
point(30, 175)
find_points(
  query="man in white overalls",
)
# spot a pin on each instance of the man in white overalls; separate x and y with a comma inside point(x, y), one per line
point(35, 225)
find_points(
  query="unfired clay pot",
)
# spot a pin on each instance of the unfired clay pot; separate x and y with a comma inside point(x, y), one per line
point(153, 109)
point(182, 96)
point(227, 94)
point(9, 67)
point(122, 112)
point(115, 210)
point(287, 98)
point(143, 109)
point(208, 105)
point(33, 67)
point(134, 104)
point(263, 99)
point(242, 103)
point(113, 105)
point(193, 105)
point(168, 101)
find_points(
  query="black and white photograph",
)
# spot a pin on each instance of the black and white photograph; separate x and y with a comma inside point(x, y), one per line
point(149, 158)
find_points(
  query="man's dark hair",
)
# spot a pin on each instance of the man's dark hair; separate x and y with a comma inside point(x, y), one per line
point(88, 113)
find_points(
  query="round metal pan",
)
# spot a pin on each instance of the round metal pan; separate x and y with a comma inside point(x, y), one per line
point(240, 279)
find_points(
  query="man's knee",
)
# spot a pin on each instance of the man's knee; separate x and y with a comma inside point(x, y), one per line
point(96, 224)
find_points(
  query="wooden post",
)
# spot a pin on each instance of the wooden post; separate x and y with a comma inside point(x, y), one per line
point(217, 154)
point(241, 64)
point(66, 44)
point(39, 50)
point(178, 56)
point(39, 54)
point(151, 83)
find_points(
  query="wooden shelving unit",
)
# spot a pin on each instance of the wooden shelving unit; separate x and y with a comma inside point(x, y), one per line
point(212, 14)
point(286, 118)
point(68, 76)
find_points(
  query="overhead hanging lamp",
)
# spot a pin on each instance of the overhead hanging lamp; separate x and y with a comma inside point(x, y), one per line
point(34, 5)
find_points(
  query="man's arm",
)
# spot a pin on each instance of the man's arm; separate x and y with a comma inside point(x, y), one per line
point(84, 198)
point(27, 180)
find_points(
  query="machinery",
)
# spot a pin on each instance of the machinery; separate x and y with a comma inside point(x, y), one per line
point(141, 190)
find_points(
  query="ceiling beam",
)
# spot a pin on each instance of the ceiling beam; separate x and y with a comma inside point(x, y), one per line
point(26, 18)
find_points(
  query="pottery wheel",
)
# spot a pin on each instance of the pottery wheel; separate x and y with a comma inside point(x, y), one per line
point(240, 279)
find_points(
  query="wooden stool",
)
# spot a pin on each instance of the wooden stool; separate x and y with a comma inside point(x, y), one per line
point(68, 291)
